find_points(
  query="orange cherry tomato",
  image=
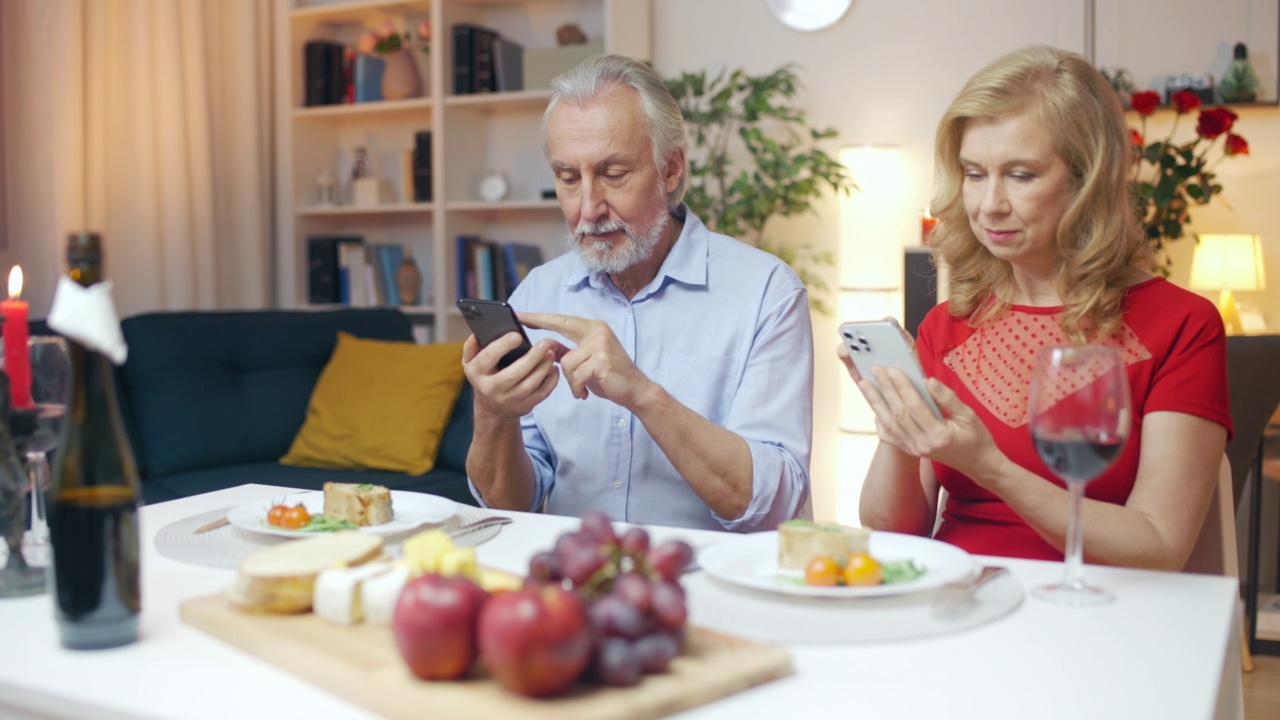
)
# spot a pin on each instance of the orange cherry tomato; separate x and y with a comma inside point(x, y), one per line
point(295, 517)
point(275, 516)
point(861, 569)
point(823, 570)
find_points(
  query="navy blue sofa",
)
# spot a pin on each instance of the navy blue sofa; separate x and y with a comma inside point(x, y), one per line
point(214, 399)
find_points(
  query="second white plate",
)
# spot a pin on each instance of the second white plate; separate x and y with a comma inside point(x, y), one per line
point(408, 511)
point(752, 561)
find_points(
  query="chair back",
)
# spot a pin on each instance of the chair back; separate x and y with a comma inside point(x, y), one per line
point(1215, 550)
point(1254, 387)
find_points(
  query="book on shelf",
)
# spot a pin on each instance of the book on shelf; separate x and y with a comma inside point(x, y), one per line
point(323, 281)
point(422, 166)
point(519, 259)
point(464, 246)
point(387, 257)
point(473, 59)
point(508, 65)
point(406, 176)
point(489, 270)
point(462, 51)
point(368, 77)
point(355, 275)
point(324, 73)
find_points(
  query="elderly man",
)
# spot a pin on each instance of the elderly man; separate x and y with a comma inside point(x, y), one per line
point(687, 356)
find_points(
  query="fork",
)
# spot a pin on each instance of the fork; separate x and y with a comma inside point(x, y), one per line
point(956, 599)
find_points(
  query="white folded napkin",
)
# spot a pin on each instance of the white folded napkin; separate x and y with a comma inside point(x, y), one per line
point(87, 315)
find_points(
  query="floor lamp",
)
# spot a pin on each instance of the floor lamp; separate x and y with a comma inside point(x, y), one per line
point(872, 223)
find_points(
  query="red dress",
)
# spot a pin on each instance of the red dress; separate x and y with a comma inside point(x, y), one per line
point(1173, 346)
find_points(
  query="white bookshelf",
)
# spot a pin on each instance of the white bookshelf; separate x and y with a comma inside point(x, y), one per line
point(472, 136)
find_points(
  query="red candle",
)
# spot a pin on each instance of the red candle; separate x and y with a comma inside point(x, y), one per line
point(926, 226)
point(17, 363)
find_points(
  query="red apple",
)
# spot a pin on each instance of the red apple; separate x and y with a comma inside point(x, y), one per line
point(434, 624)
point(536, 640)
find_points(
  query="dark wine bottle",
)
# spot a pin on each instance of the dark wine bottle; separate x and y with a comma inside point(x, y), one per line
point(93, 505)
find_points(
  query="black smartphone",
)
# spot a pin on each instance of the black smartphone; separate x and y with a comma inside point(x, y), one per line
point(490, 320)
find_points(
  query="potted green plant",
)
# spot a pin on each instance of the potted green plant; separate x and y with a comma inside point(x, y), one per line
point(783, 171)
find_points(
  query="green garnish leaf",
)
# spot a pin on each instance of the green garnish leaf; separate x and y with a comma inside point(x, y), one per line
point(324, 523)
point(364, 487)
point(900, 571)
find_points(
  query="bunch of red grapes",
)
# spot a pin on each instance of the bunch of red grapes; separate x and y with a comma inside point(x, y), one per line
point(635, 602)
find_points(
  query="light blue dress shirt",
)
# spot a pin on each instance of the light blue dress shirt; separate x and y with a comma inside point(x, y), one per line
point(725, 329)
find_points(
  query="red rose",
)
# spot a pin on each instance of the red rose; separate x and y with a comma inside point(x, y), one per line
point(1145, 102)
point(1236, 145)
point(1135, 138)
point(1214, 121)
point(1185, 101)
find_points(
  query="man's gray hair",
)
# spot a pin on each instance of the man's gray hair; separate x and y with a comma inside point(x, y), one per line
point(599, 73)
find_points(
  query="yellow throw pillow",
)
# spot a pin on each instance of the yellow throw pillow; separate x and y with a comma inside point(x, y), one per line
point(381, 405)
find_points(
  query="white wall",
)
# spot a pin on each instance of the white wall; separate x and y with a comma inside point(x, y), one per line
point(883, 75)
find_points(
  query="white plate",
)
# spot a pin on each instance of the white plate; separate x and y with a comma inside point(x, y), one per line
point(752, 561)
point(408, 511)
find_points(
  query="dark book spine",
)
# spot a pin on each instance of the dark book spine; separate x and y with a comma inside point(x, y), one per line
point(322, 270)
point(482, 67)
point(422, 166)
point(463, 50)
point(324, 73)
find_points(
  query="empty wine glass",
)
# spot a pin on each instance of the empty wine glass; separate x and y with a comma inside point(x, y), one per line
point(1079, 419)
point(50, 388)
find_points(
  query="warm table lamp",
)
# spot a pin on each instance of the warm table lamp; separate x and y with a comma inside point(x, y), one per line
point(1228, 263)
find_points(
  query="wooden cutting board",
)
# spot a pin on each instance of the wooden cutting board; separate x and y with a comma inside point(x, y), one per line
point(362, 664)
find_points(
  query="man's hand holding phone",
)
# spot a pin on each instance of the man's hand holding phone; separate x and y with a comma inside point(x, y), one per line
point(508, 373)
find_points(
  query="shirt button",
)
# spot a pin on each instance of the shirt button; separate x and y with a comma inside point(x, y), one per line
point(622, 423)
point(617, 483)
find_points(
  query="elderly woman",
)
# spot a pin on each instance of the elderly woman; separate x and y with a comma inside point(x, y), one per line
point(1044, 247)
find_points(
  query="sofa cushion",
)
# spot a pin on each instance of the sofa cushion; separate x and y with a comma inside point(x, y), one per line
point(444, 482)
point(380, 405)
point(211, 389)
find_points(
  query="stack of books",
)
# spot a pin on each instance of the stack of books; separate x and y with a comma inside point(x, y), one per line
point(489, 270)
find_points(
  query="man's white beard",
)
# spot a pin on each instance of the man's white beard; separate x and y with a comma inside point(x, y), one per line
point(606, 257)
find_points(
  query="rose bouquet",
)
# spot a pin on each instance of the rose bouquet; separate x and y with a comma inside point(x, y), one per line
point(387, 38)
point(1170, 177)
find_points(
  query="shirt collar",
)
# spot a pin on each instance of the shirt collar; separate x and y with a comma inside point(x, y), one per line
point(686, 263)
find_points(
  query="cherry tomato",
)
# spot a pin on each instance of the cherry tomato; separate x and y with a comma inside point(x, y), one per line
point(861, 569)
point(295, 517)
point(822, 570)
point(275, 516)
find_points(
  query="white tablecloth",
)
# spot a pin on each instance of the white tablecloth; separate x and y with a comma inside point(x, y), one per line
point(1167, 648)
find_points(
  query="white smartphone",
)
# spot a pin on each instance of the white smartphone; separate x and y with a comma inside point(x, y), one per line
point(883, 343)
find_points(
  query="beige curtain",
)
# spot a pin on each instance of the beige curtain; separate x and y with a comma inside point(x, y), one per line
point(150, 121)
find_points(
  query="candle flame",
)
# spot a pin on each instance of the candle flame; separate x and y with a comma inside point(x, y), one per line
point(15, 282)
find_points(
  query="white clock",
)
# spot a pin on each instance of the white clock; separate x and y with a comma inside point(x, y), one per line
point(493, 187)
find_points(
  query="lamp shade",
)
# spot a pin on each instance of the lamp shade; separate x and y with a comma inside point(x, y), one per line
point(1228, 262)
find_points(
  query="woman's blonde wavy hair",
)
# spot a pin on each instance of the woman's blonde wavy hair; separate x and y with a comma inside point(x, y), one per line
point(1099, 240)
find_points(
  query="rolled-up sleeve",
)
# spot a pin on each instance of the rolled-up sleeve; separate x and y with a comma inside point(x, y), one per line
point(773, 411)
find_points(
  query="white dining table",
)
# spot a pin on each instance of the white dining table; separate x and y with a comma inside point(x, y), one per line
point(1167, 648)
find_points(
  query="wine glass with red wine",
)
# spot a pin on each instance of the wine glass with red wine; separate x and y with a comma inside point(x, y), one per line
point(1079, 419)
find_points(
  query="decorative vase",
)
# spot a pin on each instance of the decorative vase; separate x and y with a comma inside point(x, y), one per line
point(400, 79)
point(409, 282)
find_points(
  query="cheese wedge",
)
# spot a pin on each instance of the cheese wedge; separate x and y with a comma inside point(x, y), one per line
point(339, 592)
point(800, 541)
point(281, 578)
point(381, 593)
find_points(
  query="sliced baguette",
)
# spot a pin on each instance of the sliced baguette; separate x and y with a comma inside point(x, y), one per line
point(800, 541)
point(281, 579)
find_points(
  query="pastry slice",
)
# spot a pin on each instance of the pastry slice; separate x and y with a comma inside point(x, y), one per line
point(800, 541)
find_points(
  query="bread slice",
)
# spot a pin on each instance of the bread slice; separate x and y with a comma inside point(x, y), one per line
point(281, 579)
point(800, 541)
point(362, 504)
